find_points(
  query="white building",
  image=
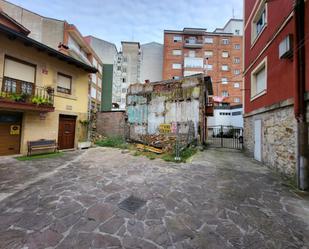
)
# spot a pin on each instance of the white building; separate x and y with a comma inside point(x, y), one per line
point(227, 116)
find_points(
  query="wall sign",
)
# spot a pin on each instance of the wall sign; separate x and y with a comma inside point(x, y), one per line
point(165, 128)
point(15, 130)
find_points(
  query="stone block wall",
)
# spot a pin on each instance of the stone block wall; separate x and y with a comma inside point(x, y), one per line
point(111, 123)
point(278, 139)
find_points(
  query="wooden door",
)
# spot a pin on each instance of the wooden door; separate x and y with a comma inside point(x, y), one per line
point(10, 131)
point(66, 134)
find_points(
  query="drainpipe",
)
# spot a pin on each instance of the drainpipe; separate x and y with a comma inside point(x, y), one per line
point(299, 96)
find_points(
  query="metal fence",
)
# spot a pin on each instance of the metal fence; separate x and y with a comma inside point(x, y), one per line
point(225, 137)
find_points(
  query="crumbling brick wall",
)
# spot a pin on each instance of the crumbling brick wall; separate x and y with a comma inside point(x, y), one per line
point(111, 123)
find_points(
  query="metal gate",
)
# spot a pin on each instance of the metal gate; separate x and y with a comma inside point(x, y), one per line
point(225, 137)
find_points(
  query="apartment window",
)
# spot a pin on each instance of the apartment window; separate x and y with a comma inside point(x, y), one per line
point(237, 31)
point(177, 52)
point(259, 21)
point(209, 40)
point(18, 76)
point(224, 93)
point(99, 96)
point(224, 81)
point(124, 90)
point(177, 38)
point(99, 82)
point(93, 93)
point(94, 78)
point(237, 46)
point(208, 54)
point(236, 85)
point(208, 67)
point(225, 41)
point(225, 54)
point(124, 70)
point(191, 53)
point(225, 68)
point(176, 77)
point(177, 66)
point(118, 68)
point(64, 83)
point(237, 100)
point(236, 71)
point(123, 80)
point(259, 79)
point(236, 60)
point(125, 59)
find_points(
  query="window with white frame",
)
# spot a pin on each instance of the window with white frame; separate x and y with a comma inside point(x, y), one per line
point(208, 67)
point(225, 41)
point(236, 60)
point(177, 51)
point(191, 53)
point(225, 54)
point(259, 79)
point(259, 21)
point(94, 78)
point(224, 81)
point(224, 93)
point(236, 71)
point(93, 93)
point(64, 83)
point(236, 85)
point(237, 100)
point(209, 40)
point(237, 46)
point(225, 68)
point(208, 54)
point(177, 38)
point(177, 66)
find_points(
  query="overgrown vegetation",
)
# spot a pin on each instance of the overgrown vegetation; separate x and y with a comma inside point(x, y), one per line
point(119, 142)
point(40, 156)
point(114, 142)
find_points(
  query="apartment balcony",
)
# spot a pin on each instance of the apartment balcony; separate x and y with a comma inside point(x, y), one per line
point(25, 96)
point(191, 43)
point(194, 63)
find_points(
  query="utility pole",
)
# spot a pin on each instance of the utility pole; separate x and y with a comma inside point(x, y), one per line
point(299, 96)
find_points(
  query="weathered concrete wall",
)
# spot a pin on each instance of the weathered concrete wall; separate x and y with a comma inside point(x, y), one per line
point(176, 103)
point(278, 139)
point(111, 123)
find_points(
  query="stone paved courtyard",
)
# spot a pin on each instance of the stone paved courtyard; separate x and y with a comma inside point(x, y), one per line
point(220, 200)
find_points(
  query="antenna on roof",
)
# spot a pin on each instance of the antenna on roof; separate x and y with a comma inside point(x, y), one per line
point(233, 13)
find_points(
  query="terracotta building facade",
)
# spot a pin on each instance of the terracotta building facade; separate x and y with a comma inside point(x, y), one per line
point(272, 96)
point(218, 54)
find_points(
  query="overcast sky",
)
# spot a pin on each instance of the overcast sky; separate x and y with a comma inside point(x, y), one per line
point(136, 20)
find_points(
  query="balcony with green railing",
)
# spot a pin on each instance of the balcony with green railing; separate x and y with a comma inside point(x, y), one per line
point(21, 95)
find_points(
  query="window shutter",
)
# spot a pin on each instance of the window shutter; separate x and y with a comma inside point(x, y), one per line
point(64, 82)
point(20, 71)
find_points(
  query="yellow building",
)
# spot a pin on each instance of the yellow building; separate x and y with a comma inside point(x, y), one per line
point(43, 92)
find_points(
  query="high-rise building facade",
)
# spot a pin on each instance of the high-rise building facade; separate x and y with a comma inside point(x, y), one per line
point(217, 54)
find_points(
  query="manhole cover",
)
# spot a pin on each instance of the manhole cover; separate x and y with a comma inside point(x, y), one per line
point(131, 204)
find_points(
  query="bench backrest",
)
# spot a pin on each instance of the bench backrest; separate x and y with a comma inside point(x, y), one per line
point(42, 142)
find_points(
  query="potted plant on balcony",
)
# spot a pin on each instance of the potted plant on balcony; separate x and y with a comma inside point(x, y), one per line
point(49, 90)
point(19, 97)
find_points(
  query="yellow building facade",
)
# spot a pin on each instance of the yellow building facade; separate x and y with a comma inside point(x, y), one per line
point(43, 94)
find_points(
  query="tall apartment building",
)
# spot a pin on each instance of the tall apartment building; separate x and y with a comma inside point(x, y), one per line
point(62, 36)
point(107, 52)
point(218, 54)
point(126, 71)
point(151, 62)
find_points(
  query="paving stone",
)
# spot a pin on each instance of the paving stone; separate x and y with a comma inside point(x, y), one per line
point(221, 199)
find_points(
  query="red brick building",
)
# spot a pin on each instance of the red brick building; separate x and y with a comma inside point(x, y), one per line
point(218, 54)
point(271, 69)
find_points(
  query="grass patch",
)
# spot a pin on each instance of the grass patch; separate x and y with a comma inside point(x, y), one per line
point(114, 142)
point(40, 156)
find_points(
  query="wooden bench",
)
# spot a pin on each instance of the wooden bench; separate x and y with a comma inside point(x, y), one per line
point(42, 144)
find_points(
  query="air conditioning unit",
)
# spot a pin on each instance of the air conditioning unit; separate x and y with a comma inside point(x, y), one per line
point(286, 47)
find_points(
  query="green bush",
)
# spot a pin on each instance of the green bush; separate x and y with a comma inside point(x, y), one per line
point(114, 142)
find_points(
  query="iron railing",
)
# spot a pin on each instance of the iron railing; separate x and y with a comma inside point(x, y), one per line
point(19, 91)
